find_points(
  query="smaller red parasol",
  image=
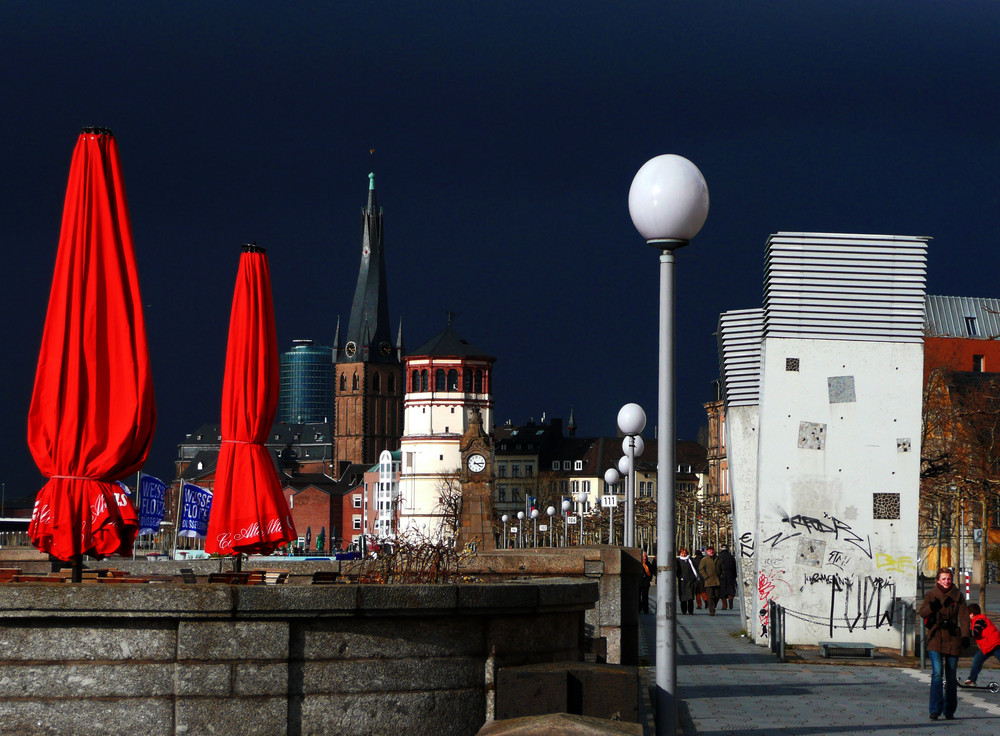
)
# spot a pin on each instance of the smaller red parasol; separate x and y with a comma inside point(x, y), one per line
point(92, 414)
point(249, 512)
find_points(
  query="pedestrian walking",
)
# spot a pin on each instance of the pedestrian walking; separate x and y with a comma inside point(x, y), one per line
point(727, 577)
point(946, 619)
point(987, 638)
point(645, 580)
point(708, 570)
point(687, 581)
point(699, 591)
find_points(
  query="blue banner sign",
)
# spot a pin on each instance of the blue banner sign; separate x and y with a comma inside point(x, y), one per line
point(194, 511)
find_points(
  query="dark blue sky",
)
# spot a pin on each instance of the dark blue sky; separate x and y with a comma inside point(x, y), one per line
point(506, 136)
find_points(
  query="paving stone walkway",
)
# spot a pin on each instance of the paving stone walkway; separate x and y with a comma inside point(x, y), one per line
point(730, 687)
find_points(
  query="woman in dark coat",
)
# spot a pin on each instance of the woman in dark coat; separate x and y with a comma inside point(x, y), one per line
point(699, 591)
point(947, 621)
point(727, 577)
point(687, 581)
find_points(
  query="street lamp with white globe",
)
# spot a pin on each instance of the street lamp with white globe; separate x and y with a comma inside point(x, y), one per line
point(566, 505)
point(611, 478)
point(534, 518)
point(581, 498)
point(520, 529)
point(550, 511)
point(668, 202)
point(504, 519)
point(631, 422)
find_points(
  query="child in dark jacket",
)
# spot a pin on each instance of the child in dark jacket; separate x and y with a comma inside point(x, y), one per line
point(987, 637)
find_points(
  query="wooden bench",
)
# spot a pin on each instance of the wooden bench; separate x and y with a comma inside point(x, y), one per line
point(325, 577)
point(275, 577)
point(7, 574)
point(188, 576)
point(829, 649)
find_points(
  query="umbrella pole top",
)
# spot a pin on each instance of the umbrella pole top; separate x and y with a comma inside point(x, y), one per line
point(96, 130)
point(253, 248)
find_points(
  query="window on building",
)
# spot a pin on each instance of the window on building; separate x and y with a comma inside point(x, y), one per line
point(423, 379)
point(343, 382)
point(453, 380)
point(354, 382)
point(501, 470)
point(970, 327)
point(575, 485)
point(467, 381)
point(392, 383)
point(567, 464)
point(439, 380)
point(529, 470)
point(357, 502)
point(515, 495)
point(357, 522)
point(377, 383)
point(478, 383)
point(978, 363)
point(555, 465)
point(502, 494)
point(515, 470)
point(586, 487)
point(578, 465)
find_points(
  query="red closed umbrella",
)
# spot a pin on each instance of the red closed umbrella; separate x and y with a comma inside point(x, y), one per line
point(92, 413)
point(249, 512)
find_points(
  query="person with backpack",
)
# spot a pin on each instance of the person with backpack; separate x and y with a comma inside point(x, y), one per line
point(946, 619)
point(987, 637)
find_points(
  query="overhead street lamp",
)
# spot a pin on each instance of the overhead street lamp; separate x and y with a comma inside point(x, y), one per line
point(631, 422)
point(566, 505)
point(611, 478)
point(668, 202)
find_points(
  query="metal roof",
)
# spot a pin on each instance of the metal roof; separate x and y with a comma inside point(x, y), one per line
point(963, 316)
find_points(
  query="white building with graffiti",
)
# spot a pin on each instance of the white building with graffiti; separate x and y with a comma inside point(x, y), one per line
point(835, 500)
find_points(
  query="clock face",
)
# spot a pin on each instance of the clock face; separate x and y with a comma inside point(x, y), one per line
point(477, 463)
point(350, 349)
point(385, 348)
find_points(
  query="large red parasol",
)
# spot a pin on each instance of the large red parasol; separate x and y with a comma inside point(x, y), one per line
point(92, 414)
point(249, 512)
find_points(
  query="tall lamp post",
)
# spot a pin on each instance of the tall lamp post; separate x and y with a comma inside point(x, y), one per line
point(611, 478)
point(520, 529)
point(668, 202)
point(504, 519)
point(534, 518)
point(631, 421)
point(566, 505)
point(581, 498)
point(551, 512)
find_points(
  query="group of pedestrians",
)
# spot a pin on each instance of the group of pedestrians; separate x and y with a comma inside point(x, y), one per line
point(949, 623)
point(706, 579)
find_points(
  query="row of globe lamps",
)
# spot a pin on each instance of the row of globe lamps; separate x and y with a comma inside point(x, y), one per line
point(550, 512)
point(631, 422)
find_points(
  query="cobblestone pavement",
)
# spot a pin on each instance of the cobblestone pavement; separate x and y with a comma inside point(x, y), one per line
point(728, 686)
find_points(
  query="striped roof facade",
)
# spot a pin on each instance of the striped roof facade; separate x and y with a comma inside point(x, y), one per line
point(740, 335)
point(829, 286)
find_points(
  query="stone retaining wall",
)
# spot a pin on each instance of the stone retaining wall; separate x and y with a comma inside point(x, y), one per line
point(159, 660)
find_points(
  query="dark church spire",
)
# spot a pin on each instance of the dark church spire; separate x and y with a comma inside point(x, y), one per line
point(369, 335)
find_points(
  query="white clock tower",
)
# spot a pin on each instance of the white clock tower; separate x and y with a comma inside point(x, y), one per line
point(448, 384)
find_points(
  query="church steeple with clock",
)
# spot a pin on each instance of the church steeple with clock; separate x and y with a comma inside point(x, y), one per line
point(368, 391)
